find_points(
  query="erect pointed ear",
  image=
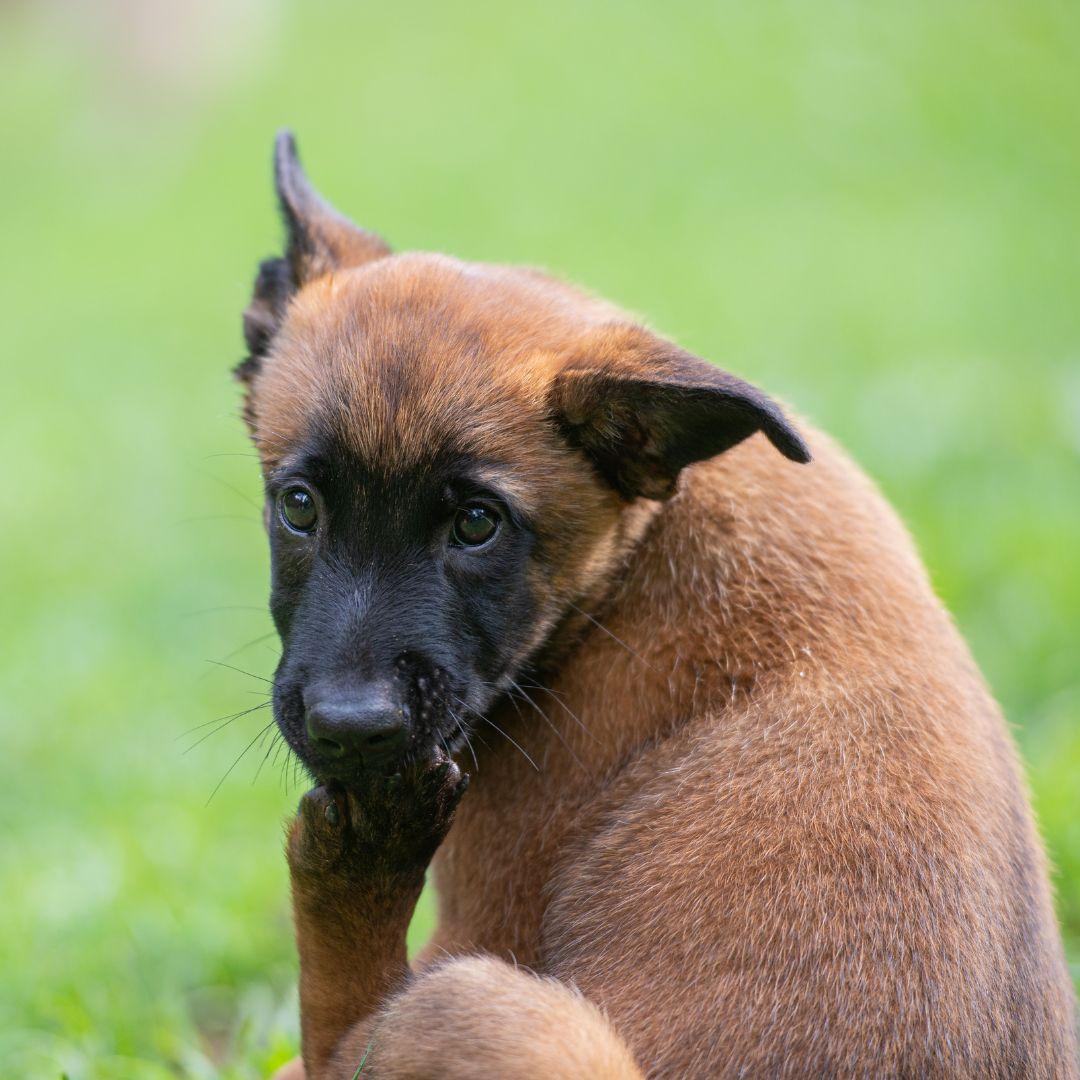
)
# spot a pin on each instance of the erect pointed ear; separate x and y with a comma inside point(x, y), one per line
point(643, 409)
point(318, 240)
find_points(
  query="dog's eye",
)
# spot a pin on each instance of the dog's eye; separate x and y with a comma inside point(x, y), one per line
point(298, 509)
point(475, 525)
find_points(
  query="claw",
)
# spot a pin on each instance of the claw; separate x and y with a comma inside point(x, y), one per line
point(310, 800)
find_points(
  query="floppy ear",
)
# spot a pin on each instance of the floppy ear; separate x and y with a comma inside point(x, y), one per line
point(318, 240)
point(643, 409)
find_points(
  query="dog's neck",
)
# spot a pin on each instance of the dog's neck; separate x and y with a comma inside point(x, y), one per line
point(693, 612)
point(588, 608)
point(746, 577)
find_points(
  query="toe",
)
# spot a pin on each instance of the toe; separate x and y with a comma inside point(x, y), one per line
point(322, 813)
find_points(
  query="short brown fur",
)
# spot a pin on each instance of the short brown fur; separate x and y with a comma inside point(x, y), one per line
point(770, 822)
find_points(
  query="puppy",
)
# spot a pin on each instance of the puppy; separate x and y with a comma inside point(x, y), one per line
point(741, 803)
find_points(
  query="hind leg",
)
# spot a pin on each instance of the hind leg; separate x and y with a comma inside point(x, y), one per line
point(476, 1016)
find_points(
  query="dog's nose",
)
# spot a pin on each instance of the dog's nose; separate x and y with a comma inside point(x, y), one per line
point(363, 723)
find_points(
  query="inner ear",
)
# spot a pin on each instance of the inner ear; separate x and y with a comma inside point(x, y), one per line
point(643, 409)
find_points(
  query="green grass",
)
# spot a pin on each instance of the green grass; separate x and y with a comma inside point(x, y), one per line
point(870, 210)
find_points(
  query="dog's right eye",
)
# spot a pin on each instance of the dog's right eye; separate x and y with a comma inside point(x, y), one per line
point(474, 525)
point(297, 508)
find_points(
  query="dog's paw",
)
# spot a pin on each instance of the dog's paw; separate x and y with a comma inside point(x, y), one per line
point(318, 839)
point(393, 825)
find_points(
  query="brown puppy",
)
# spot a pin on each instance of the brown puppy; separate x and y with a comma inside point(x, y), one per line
point(741, 803)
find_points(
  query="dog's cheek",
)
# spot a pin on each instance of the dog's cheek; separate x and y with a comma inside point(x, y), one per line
point(577, 552)
point(547, 604)
point(290, 569)
point(495, 607)
point(284, 600)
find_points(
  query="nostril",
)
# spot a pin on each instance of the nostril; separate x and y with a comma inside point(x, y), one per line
point(384, 739)
point(328, 747)
point(324, 731)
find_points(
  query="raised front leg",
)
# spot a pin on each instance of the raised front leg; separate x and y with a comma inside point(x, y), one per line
point(357, 861)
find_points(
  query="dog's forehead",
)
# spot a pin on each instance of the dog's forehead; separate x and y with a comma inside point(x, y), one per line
point(419, 355)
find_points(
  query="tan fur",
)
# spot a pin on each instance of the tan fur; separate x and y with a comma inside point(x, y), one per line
point(775, 824)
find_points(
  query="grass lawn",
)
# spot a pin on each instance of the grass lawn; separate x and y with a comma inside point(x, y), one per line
point(871, 211)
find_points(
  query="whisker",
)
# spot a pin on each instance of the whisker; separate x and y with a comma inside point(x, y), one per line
point(513, 701)
point(274, 741)
point(288, 772)
point(512, 740)
point(249, 644)
point(232, 667)
point(504, 734)
point(446, 747)
point(277, 753)
point(217, 787)
point(284, 769)
point(472, 750)
point(614, 637)
point(223, 607)
point(547, 720)
point(574, 716)
point(223, 720)
point(466, 706)
point(546, 689)
point(223, 726)
point(464, 734)
point(214, 517)
point(231, 487)
point(562, 705)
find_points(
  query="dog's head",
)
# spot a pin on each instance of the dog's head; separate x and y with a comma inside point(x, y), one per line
point(454, 455)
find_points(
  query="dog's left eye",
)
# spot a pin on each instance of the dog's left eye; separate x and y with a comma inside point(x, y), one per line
point(298, 509)
point(475, 525)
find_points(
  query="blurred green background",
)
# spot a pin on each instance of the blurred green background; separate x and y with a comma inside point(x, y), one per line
point(872, 210)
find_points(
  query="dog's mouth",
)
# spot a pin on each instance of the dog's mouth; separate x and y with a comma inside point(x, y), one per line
point(437, 725)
